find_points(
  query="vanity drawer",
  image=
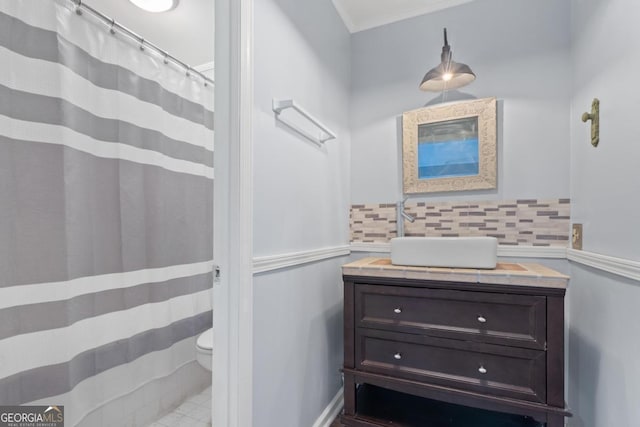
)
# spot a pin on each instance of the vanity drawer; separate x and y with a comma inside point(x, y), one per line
point(496, 370)
point(506, 319)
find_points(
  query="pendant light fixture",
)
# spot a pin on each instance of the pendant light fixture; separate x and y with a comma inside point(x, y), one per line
point(448, 74)
point(155, 5)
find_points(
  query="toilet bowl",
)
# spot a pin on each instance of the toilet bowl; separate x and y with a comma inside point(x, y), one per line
point(204, 347)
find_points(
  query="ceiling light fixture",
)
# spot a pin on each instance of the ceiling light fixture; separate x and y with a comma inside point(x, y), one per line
point(155, 5)
point(448, 74)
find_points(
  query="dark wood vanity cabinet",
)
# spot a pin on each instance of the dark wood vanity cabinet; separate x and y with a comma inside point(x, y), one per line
point(495, 347)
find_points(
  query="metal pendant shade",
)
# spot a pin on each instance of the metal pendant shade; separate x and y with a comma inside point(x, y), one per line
point(448, 74)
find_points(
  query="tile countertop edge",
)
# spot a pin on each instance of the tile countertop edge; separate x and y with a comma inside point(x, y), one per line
point(535, 275)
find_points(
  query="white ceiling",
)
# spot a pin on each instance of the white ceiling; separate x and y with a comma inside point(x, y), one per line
point(359, 15)
point(185, 32)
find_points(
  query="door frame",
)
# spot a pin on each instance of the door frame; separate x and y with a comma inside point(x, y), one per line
point(232, 372)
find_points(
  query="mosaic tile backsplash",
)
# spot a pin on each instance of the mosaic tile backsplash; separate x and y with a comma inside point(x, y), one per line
point(529, 222)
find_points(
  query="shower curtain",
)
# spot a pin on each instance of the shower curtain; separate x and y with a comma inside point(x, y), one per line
point(106, 186)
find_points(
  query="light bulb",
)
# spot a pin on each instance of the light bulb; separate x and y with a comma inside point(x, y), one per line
point(447, 76)
point(155, 5)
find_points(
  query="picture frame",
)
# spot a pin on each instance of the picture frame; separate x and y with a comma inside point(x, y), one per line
point(450, 147)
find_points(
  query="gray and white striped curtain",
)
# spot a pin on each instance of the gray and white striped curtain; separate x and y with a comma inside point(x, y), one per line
point(106, 169)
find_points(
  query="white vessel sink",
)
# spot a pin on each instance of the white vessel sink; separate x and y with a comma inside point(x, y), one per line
point(454, 252)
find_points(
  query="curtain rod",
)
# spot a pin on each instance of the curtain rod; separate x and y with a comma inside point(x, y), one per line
point(80, 6)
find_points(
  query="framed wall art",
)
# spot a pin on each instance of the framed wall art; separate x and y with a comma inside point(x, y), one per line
point(450, 147)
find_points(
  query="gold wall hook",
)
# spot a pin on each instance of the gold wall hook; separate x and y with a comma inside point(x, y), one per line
point(594, 116)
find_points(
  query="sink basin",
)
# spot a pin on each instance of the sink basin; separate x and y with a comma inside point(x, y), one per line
point(454, 252)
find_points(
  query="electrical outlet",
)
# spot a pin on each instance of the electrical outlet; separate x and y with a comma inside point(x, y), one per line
point(576, 237)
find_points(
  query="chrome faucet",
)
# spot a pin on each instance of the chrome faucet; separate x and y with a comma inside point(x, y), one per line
point(401, 215)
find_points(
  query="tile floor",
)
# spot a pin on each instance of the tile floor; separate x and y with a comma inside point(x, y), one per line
point(193, 412)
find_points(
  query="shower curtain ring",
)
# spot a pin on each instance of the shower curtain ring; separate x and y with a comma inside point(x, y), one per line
point(166, 58)
point(79, 7)
point(112, 30)
point(188, 71)
point(141, 44)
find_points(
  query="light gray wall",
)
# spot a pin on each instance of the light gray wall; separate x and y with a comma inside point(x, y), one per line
point(604, 184)
point(519, 50)
point(298, 343)
point(604, 373)
point(301, 200)
point(301, 52)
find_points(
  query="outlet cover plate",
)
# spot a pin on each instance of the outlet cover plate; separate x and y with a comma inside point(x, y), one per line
point(576, 237)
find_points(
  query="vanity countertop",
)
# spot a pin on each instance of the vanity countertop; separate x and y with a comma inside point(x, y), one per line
point(521, 274)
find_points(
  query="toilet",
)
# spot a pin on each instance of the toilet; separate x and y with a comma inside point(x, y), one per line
point(204, 347)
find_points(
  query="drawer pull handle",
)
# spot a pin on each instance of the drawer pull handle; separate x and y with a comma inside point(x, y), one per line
point(482, 319)
point(397, 311)
point(482, 370)
point(397, 356)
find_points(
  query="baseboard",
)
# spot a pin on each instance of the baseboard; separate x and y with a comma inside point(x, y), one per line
point(618, 266)
point(276, 262)
point(331, 411)
point(556, 252)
